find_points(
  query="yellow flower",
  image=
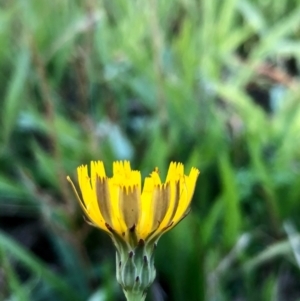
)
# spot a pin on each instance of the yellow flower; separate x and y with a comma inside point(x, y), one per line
point(119, 206)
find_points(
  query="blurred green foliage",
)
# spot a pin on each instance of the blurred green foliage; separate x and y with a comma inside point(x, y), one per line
point(213, 84)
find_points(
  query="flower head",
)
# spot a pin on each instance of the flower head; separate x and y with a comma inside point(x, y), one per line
point(135, 218)
point(119, 206)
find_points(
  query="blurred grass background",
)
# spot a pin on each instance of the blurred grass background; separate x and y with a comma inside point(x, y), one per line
point(213, 84)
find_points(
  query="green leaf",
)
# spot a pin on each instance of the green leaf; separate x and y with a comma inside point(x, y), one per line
point(279, 249)
point(14, 98)
point(230, 194)
point(36, 266)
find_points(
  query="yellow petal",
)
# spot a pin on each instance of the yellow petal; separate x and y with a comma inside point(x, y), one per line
point(173, 205)
point(97, 170)
point(155, 177)
point(175, 172)
point(171, 172)
point(103, 199)
point(181, 195)
point(95, 218)
point(88, 194)
point(187, 187)
point(135, 180)
point(127, 168)
point(145, 223)
point(129, 198)
point(117, 220)
point(160, 203)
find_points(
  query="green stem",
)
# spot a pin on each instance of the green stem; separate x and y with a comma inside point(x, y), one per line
point(135, 296)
